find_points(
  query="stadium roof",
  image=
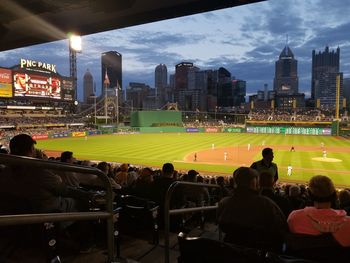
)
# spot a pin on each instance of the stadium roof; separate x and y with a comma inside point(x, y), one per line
point(28, 22)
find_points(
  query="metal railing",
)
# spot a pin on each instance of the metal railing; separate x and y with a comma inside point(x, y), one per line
point(55, 217)
point(168, 211)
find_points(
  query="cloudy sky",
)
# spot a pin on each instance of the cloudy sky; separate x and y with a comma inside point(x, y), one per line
point(246, 40)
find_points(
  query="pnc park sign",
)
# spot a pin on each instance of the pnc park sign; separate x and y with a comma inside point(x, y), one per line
point(28, 63)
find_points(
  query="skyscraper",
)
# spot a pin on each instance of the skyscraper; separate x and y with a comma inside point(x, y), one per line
point(112, 62)
point(160, 83)
point(161, 76)
point(286, 73)
point(88, 85)
point(325, 68)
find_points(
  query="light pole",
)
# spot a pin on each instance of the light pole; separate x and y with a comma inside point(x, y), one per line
point(74, 47)
point(117, 103)
point(95, 109)
point(106, 84)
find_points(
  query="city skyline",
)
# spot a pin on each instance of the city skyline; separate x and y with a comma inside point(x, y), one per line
point(246, 40)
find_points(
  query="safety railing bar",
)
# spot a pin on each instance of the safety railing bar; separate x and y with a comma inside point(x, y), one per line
point(45, 164)
point(168, 195)
point(192, 209)
point(26, 219)
point(48, 164)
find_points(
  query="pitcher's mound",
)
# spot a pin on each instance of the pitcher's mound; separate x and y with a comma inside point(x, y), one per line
point(327, 160)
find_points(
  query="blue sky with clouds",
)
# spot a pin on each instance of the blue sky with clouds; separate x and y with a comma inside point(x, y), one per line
point(247, 40)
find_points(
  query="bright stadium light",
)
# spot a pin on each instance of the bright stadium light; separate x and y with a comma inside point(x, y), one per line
point(75, 42)
point(74, 48)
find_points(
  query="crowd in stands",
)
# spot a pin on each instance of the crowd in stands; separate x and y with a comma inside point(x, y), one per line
point(292, 115)
point(254, 209)
point(38, 121)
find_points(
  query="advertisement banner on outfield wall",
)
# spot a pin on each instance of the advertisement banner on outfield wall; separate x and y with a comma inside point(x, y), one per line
point(94, 132)
point(212, 129)
point(192, 130)
point(233, 130)
point(60, 135)
point(326, 131)
point(40, 136)
point(78, 134)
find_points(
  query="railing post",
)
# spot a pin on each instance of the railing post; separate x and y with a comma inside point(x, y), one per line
point(167, 219)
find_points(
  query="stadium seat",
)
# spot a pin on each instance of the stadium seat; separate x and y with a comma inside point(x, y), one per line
point(26, 243)
point(139, 215)
point(322, 248)
point(204, 250)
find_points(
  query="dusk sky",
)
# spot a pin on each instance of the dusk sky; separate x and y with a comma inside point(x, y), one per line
point(246, 40)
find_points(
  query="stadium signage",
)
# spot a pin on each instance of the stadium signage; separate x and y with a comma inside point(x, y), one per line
point(192, 130)
point(211, 130)
point(78, 134)
point(27, 63)
point(40, 136)
point(233, 130)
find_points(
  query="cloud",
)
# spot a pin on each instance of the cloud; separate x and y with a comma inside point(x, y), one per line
point(246, 40)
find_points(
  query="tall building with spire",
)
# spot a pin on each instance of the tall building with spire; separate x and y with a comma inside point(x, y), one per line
point(325, 68)
point(286, 73)
point(286, 82)
point(88, 85)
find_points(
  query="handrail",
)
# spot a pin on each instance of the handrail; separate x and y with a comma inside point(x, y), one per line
point(168, 212)
point(39, 218)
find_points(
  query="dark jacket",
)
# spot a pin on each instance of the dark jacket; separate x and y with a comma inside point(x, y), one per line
point(252, 220)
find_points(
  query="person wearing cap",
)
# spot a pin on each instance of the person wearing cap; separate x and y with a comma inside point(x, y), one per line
point(248, 218)
point(266, 164)
point(321, 218)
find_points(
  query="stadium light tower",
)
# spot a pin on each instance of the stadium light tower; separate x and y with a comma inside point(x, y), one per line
point(74, 47)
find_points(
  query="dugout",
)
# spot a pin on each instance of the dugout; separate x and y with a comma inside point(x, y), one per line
point(156, 119)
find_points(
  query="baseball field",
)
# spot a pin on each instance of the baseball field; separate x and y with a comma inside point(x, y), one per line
point(313, 155)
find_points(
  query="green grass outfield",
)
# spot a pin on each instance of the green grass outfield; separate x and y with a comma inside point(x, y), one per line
point(156, 149)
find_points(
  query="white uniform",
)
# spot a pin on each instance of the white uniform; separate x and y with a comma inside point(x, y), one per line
point(263, 143)
point(225, 156)
point(248, 146)
point(324, 154)
point(212, 146)
point(289, 170)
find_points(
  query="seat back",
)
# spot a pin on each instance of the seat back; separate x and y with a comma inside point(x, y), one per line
point(138, 215)
point(321, 248)
point(204, 250)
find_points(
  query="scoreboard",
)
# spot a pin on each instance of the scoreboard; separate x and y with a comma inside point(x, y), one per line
point(289, 130)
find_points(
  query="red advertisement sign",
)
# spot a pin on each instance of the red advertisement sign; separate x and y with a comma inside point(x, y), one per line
point(40, 136)
point(211, 130)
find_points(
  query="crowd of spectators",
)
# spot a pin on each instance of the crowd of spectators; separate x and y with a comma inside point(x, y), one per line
point(325, 115)
point(20, 121)
point(255, 210)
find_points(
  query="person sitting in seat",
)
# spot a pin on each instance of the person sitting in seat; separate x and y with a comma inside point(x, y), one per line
point(43, 189)
point(321, 218)
point(248, 218)
point(194, 195)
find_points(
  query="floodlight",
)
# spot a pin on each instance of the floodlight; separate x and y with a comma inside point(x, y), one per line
point(75, 42)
